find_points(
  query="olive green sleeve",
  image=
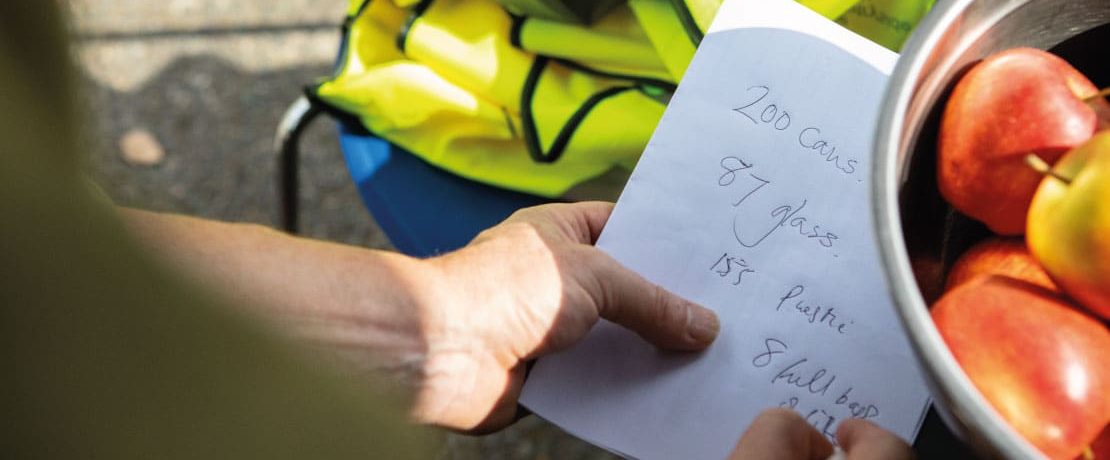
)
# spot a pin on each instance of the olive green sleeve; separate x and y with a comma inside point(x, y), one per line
point(104, 354)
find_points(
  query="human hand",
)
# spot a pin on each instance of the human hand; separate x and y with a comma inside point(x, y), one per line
point(531, 286)
point(782, 434)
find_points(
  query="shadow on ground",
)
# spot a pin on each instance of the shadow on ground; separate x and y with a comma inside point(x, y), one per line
point(216, 124)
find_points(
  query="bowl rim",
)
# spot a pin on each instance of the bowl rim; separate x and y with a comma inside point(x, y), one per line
point(976, 420)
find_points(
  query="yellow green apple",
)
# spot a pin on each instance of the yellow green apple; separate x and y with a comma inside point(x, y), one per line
point(1068, 228)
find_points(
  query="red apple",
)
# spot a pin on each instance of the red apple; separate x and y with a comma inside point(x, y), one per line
point(1043, 365)
point(1069, 224)
point(1013, 103)
point(999, 256)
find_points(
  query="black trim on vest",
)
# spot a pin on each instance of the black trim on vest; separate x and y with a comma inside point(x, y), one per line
point(648, 81)
point(528, 125)
point(571, 126)
point(562, 140)
point(514, 31)
point(688, 22)
point(417, 11)
point(361, 9)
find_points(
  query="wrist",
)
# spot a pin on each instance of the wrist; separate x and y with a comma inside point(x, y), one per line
point(444, 366)
point(455, 356)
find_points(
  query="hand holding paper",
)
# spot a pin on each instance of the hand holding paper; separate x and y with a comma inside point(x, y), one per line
point(525, 288)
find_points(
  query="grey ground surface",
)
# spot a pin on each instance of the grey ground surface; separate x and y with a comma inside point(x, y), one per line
point(182, 98)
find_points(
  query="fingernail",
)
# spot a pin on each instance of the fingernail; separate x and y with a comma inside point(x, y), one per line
point(703, 325)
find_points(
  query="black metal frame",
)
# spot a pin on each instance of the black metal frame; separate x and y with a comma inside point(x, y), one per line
point(297, 117)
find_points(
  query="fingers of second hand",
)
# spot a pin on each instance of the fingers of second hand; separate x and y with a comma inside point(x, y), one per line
point(863, 440)
point(782, 434)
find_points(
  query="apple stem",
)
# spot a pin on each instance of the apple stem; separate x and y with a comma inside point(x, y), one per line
point(1043, 167)
point(1104, 93)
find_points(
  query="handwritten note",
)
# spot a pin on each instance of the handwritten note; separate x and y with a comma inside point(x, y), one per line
point(752, 198)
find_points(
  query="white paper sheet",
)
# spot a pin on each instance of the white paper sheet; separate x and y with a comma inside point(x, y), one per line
point(752, 199)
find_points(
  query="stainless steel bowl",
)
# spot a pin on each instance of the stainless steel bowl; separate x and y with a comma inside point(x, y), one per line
point(918, 234)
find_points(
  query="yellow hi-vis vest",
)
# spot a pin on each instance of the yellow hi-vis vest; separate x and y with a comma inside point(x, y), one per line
point(559, 103)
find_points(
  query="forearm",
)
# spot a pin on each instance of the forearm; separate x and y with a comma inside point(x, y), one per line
point(369, 307)
point(460, 327)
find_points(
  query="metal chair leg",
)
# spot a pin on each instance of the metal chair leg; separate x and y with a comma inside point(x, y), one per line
point(287, 143)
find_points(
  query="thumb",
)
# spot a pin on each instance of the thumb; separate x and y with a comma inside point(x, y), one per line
point(657, 315)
